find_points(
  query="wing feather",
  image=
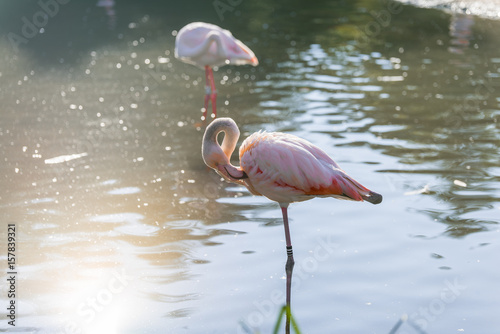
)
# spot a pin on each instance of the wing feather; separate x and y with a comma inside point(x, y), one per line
point(284, 167)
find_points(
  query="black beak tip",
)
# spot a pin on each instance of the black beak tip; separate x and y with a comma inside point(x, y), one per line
point(373, 198)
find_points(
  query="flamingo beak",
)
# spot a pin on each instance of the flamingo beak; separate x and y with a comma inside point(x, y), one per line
point(231, 173)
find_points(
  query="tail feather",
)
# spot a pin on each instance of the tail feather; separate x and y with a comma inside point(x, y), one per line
point(349, 189)
point(354, 190)
point(373, 197)
point(342, 186)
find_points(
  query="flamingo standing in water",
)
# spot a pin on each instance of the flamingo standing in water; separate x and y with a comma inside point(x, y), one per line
point(206, 45)
point(281, 167)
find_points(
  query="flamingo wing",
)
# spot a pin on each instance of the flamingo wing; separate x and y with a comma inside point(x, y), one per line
point(195, 44)
point(286, 168)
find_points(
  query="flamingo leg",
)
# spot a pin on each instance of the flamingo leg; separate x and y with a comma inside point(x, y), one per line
point(213, 95)
point(290, 262)
point(207, 92)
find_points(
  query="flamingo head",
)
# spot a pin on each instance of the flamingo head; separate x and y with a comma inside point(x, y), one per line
point(217, 156)
point(234, 50)
point(238, 53)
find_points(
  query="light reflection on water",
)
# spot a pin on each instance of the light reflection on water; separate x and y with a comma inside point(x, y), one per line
point(123, 229)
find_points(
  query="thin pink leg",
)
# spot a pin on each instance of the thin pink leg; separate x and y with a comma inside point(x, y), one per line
point(289, 264)
point(207, 92)
point(213, 95)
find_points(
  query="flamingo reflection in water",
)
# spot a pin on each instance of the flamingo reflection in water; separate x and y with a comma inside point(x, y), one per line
point(283, 168)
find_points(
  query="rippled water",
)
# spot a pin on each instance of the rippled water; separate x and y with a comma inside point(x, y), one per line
point(122, 229)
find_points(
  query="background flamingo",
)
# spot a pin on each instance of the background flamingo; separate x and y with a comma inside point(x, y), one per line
point(206, 45)
point(281, 167)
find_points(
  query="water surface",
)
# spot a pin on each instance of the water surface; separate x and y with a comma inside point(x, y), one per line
point(122, 229)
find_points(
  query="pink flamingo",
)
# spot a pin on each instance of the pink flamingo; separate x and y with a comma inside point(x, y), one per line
point(206, 45)
point(281, 167)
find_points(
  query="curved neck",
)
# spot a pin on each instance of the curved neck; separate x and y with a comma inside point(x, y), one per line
point(218, 156)
point(207, 43)
point(212, 149)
